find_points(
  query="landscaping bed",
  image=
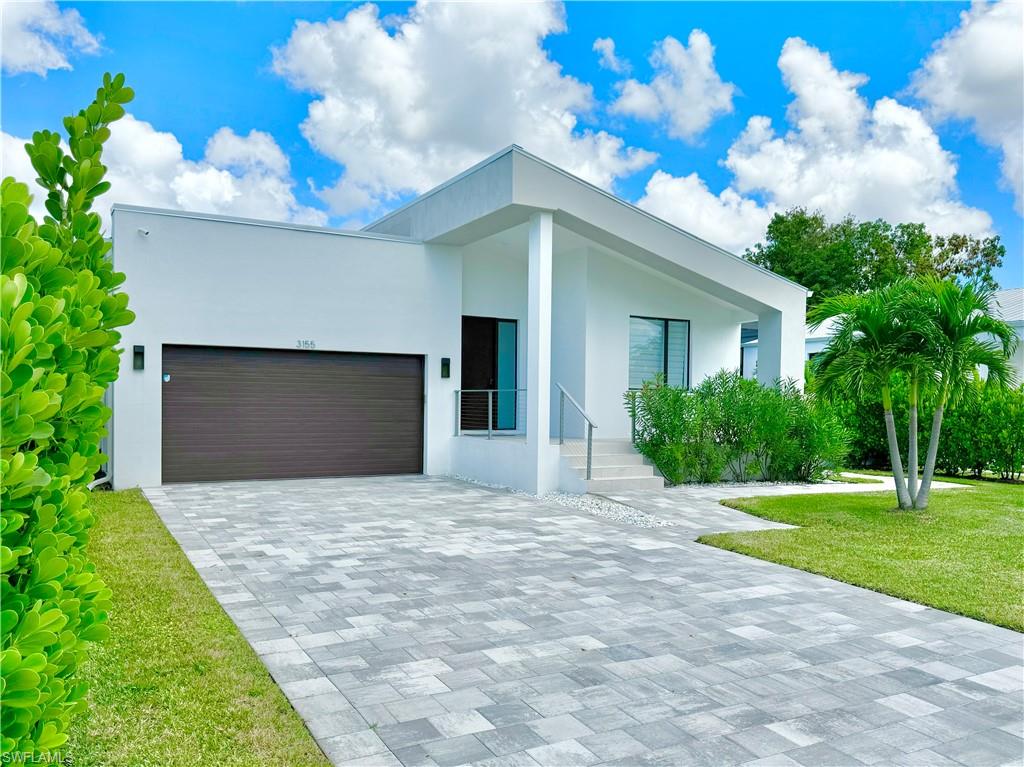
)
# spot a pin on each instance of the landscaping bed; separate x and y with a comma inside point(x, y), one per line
point(176, 683)
point(964, 554)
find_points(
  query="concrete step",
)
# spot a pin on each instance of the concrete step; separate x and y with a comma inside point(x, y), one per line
point(610, 472)
point(600, 447)
point(615, 484)
point(617, 466)
point(611, 459)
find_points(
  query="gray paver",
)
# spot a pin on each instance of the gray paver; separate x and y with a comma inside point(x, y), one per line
point(461, 750)
point(452, 618)
point(565, 753)
point(411, 733)
point(341, 748)
point(556, 728)
point(509, 740)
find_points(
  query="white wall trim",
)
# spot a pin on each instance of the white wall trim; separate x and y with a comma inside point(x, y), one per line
point(119, 207)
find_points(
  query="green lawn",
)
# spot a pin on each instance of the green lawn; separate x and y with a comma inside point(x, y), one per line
point(176, 683)
point(964, 554)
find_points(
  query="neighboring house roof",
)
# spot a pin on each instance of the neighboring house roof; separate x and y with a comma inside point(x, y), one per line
point(822, 332)
point(1010, 305)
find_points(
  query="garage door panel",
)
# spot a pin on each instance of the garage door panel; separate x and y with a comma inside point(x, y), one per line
point(261, 414)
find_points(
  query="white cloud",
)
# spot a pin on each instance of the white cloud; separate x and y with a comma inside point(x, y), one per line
point(606, 47)
point(239, 175)
point(14, 162)
point(840, 155)
point(405, 103)
point(976, 73)
point(256, 152)
point(686, 91)
point(728, 220)
point(38, 36)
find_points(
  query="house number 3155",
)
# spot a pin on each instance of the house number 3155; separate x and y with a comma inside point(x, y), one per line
point(305, 343)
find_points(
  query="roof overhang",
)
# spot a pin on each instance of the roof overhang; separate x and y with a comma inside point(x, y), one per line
point(507, 188)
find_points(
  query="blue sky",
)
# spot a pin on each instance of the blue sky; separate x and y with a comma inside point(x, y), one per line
point(198, 68)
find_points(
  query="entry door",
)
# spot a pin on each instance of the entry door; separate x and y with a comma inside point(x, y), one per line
point(488, 364)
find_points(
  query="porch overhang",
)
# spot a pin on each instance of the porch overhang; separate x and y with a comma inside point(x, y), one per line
point(507, 188)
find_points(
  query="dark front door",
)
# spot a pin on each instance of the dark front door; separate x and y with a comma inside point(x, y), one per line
point(265, 414)
point(488, 373)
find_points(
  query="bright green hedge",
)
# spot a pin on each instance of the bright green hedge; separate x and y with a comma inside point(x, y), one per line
point(733, 428)
point(983, 433)
point(60, 306)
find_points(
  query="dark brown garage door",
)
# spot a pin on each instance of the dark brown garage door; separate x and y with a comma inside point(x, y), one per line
point(264, 414)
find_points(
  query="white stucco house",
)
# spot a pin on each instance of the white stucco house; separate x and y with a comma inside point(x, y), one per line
point(438, 339)
point(1009, 307)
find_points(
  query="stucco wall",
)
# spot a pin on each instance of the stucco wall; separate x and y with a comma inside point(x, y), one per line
point(205, 281)
point(568, 336)
point(617, 290)
point(217, 283)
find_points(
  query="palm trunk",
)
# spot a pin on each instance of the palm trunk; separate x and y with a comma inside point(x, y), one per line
point(912, 442)
point(902, 496)
point(921, 501)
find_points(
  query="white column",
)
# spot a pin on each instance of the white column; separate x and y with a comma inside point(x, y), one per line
point(538, 346)
point(780, 345)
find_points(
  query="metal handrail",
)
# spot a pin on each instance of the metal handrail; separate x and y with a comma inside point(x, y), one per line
point(563, 396)
point(490, 406)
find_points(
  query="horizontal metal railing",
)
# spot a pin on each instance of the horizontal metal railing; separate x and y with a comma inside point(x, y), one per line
point(479, 411)
point(576, 447)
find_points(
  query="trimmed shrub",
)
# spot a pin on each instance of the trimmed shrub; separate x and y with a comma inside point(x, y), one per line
point(677, 432)
point(821, 443)
point(1005, 414)
point(737, 427)
point(60, 306)
point(983, 433)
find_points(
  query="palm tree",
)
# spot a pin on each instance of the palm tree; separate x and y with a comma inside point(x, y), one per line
point(937, 333)
point(873, 341)
point(961, 334)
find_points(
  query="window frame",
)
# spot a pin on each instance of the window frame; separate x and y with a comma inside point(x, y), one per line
point(664, 350)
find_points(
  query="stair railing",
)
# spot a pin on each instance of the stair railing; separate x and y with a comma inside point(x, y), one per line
point(563, 397)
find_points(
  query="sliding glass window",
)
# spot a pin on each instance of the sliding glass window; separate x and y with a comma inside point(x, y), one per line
point(659, 347)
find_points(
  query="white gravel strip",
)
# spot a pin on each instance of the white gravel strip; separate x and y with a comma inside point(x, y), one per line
point(591, 504)
point(602, 507)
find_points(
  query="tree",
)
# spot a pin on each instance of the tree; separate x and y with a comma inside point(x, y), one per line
point(853, 256)
point(60, 307)
point(934, 332)
point(871, 344)
point(962, 334)
point(959, 255)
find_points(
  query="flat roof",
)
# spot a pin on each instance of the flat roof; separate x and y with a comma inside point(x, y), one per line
point(259, 222)
point(516, 149)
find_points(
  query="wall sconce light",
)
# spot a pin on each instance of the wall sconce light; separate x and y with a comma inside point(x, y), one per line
point(446, 367)
point(138, 358)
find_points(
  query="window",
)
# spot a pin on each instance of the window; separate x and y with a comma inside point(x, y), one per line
point(659, 347)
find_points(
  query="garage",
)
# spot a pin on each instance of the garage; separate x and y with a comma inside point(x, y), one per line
point(231, 413)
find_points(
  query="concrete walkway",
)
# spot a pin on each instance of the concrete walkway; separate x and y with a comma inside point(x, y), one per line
point(697, 508)
point(422, 621)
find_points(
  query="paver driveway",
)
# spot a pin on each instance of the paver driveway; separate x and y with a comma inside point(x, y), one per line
point(422, 621)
